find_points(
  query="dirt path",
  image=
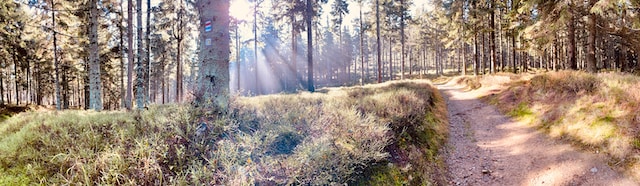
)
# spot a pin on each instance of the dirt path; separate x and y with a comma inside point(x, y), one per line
point(488, 148)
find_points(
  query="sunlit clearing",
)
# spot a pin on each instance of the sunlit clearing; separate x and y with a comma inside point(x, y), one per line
point(240, 9)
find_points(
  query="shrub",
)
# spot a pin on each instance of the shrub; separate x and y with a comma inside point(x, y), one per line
point(570, 82)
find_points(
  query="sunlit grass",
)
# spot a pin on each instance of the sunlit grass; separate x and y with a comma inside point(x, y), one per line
point(338, 135)
point(596, 111)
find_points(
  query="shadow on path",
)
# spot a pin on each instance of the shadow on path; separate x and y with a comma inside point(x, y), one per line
point(486, 147)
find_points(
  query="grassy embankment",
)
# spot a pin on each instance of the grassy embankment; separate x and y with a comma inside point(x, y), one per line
point(597, 112)
point(385, 134)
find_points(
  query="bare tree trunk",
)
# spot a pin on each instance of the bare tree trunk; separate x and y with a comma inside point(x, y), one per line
point(122, 53)
point(362, 77)
point(55, 59)
point(378, 40)
point(476, 62)
point(129, 99)
point(591, 41)
point(147, 70)
point(95, 84)
point(139, 64)
point(390, 59)
point(15, 74)
point(213, 76)
point(179, 35)
point(294, 51)
point(492, 39)
point(310, 46)
point(571, 29)
point(402, 37)
point(513, 51)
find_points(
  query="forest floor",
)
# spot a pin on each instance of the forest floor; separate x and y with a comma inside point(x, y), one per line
point(486, 147)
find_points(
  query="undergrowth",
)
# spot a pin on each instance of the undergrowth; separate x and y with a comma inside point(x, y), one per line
point(372, 135)
point(596, 111)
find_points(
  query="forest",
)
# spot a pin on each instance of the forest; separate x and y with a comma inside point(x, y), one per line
point(153, 60)
point(311, 92)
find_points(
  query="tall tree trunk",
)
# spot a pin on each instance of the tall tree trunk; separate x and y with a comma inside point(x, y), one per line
point(15, 74)
point(55, 58)
point(179, 35)
point(122, 53)
point(95, 94)
point(238, 56)
point(310, 46)
point(294, 50)
point(483, 54)
point(513, 51)
point(402, 37)
point(139, 62)
point(362, 77)
point(2, 90)
point(378, 40)
point(65, 88)
point(492, 39)
point(147, 70)
point(129, 98)
point(213, 76)
point(571, 29)
point(476, 61)
point(591, 41)
point(390, 59)
point(163, 79)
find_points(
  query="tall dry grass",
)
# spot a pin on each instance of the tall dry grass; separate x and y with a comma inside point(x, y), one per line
point(597, 111)
point(341, 135)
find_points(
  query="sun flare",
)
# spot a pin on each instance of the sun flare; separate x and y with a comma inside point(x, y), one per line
point(240, 9)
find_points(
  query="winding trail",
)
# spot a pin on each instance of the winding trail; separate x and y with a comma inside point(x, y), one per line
point(486, 147)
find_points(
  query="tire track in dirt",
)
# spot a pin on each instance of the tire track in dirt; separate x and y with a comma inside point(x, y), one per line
point(486, 147)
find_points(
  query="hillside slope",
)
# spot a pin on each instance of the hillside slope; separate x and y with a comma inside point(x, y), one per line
point(596, 113)
point(373, 135)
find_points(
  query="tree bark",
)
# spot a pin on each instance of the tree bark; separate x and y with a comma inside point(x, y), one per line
point(213, 76)
point(122, 53)
point(147, 70)
point(513, 51)
point(55, 59)
point(309, 17)
point(402, 37)
point(139, 63)
point(591, 41)
point(571, 29)
point(362, 77)
point(95, 94)
point(129, 97)
point(378, 40)
point(492, 39)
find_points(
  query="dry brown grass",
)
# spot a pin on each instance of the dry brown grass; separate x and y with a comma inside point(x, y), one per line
point(340, 135)
point(596, 111)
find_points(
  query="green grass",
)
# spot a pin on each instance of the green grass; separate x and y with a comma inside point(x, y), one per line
point(338, 136)
point(521, 111)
